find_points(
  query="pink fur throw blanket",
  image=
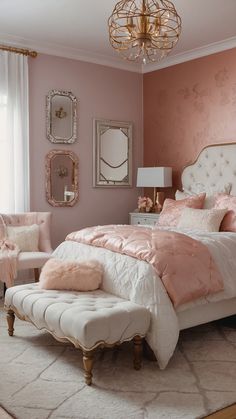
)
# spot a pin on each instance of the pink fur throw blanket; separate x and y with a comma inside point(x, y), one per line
point(69, 275)
point(8, 262)
point(184, 265)
point(8, 257)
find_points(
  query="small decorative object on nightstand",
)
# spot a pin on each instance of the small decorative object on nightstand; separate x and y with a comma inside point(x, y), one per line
point(140, 218)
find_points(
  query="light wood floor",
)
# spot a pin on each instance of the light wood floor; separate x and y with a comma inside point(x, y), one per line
point(4, 414)
point(227, 413)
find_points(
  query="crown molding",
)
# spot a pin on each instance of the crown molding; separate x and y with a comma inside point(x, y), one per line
point(116, 62)
point(191, 55)
point(72, 53)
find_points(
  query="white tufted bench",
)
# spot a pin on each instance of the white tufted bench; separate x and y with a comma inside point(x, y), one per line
point(87, 319)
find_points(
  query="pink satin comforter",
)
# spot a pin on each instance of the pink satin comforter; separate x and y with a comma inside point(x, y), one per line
point(184, 265)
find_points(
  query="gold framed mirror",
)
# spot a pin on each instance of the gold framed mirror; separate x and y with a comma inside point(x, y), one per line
point(61, 117)
point(61, 178)
point(112, 153)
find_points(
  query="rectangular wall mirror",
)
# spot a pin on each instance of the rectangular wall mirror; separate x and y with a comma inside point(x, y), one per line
point(61, 114)
point(112, 153)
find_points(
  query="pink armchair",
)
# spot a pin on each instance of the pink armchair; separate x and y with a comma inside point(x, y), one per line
point(32, 260)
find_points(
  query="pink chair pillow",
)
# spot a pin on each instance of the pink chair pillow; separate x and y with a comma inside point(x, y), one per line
point(71, 275)
point(229, 220)
point(172, 209)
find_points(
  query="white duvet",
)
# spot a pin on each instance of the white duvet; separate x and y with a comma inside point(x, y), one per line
point(137, 281)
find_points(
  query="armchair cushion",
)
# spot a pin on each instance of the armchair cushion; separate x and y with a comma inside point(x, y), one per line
point(25, 237)
point(31, 255)
point(42, 219)
point(30, 260)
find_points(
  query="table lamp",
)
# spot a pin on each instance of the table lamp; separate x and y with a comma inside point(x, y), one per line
point(155, 177)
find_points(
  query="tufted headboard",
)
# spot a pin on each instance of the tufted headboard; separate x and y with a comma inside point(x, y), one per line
point(215, 164)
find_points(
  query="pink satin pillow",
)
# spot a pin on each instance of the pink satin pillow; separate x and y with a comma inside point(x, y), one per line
point(229, 220)
point(172, 209)
point(71, 275)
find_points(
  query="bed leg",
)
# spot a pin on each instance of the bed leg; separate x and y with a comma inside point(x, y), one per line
point(10, 322)
point(36, 274)
point(88, 366)
point(148, 352)
point(138, 351)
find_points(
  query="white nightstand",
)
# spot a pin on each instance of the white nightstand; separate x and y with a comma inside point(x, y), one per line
point(143, 218)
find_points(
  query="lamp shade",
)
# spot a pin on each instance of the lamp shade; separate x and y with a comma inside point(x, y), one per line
point(154, 177)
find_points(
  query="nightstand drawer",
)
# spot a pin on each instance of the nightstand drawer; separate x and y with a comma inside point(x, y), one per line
point(138, 218)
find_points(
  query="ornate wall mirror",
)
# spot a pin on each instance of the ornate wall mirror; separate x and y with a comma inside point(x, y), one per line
point(112, 153)
point(61, 114)
point(61, 178)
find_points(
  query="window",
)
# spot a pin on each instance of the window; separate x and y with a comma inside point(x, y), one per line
point(14, 136)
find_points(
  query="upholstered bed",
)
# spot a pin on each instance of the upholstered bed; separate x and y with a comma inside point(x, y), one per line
point(215, 166)
point(137, 280)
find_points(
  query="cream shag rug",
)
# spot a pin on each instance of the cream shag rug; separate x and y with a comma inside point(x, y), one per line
point(41, 378)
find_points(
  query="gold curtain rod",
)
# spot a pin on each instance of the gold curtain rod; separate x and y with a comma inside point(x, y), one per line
point(19, 51)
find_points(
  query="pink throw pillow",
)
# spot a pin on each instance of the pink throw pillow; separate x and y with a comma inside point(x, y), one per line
point(67, 275)
point(229, 220)
point(172, 209)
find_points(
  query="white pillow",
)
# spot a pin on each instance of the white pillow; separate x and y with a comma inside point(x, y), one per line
point(182, 195)
point(25, 237)
point(210, 191)
point(201, 219)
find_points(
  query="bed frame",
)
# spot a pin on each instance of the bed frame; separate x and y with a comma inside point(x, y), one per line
point(216, 164)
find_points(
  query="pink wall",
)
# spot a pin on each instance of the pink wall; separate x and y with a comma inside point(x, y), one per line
point(102, 92)
point(188, 106)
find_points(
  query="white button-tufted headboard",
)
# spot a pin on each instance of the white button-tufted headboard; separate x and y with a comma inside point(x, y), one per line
point(216, 164)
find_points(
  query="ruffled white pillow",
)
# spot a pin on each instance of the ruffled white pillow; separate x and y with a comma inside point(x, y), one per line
point(201, 219)
point(210, 192)
point(25, 237)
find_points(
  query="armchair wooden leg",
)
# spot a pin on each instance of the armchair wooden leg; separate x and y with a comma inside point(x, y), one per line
point(4, 288)
point(88, 366)
point(10, 322)
point(138, 351)
point(36, 274)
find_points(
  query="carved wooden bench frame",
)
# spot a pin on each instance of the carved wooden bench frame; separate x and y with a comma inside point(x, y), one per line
point(88, 354)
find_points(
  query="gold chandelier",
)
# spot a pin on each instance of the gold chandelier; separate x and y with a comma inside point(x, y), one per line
point(144, 30)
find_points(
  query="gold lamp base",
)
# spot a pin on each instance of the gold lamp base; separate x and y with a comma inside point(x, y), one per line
point(159, 198)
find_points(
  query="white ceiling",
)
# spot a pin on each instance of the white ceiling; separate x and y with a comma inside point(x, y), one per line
point(78, 29)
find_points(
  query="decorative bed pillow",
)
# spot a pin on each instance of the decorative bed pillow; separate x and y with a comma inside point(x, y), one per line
point(71, 275)
point(229, 202)
point(172, 209)
point(25, 237)
point(201, 219)
point(210, 191)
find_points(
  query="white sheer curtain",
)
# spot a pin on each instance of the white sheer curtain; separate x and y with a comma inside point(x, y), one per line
point(14, 133)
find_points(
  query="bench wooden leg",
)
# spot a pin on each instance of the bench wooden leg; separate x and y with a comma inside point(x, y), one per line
point(36, 274)
point(88, 366)
point(138, 351)
point(10, 322)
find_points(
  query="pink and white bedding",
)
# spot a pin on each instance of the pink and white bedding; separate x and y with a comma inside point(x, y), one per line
point(138, 281)
point(184, 265)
